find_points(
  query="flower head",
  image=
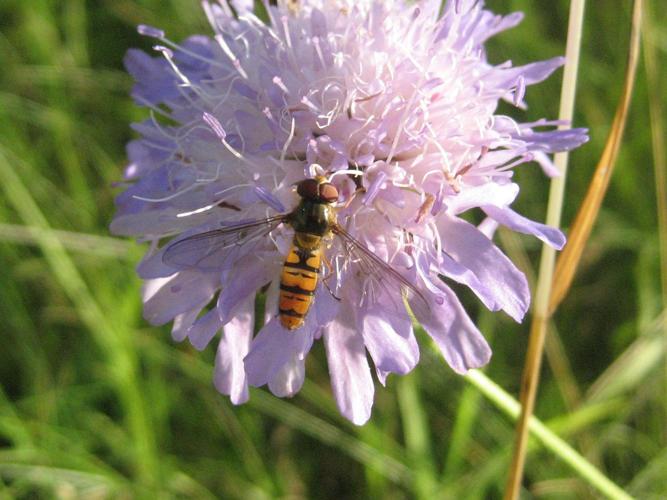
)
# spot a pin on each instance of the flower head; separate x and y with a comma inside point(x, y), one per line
point(393, 105)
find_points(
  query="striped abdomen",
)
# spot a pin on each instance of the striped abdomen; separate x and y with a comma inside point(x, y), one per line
point(298, 281)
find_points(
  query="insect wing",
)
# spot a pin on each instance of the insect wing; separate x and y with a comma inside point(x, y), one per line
point(382, 275)
point(208, 250)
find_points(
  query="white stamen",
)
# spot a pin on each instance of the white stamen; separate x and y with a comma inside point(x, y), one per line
point(283, 154)
point(279, 83)
point(228, 52)
point(198, 211)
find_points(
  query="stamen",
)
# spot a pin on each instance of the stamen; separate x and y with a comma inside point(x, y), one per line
point(215, 125)
point(217, 129)
point(168, 197)
point(279, 83)
point(519, 91)
point(146, 30)
point(374, 188)
point(228, 52)
point(425, 208)
point(267, 197)
point(346, 172)
point(288, 141)
point(197, 211)
point(318, 49)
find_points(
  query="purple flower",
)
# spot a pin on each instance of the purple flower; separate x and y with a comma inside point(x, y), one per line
point(396, 107)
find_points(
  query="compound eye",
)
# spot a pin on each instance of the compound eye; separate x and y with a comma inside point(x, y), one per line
point(309, 189)
point(328, 192)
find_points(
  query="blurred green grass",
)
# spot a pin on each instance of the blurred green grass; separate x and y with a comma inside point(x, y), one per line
point(95, 403)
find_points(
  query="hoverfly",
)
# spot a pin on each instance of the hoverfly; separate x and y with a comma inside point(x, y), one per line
point(314, 222)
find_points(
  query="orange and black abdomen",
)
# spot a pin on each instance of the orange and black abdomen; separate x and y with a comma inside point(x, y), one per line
point(298, 283)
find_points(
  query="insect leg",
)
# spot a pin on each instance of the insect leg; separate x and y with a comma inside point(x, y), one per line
point(325, 279)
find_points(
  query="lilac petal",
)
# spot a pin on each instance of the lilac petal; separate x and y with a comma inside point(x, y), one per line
point(245, 90)
point(242, 6)
point(388, 336)
point(382, 376)
point(194, 57)
point(155, 82)
point(166, 298)
point(230, 376)
point(183, 322)
point(490, 193)
point(351, 379)
point(509, 218)
point(470, 248)
point(532, 73)
point(461, 274)
point(144, 156)
point(249, 274)
point(326, 307)
point(318, 24)
point(553, 141)
point(488, 227)
point(496, 24)
point(204, 329)
point(289, 379)
point(151, 266)
point(546, 164)
point(374, 188)
point(273, 347)
point(461, 343)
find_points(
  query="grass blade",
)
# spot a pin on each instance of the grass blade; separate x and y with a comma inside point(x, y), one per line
point(417, 436)
point(659, 155)
point(113, 341)
point(103, 246)
point(548, 438)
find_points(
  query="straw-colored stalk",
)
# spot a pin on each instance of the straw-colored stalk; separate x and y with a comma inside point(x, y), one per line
point(552, 286)
point(588, 212)
point(556, 195)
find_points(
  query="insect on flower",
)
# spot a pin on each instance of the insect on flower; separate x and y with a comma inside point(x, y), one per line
point(314, 222)
point(314, 171)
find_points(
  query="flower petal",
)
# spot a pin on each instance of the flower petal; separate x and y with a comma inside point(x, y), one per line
point(289, 379)
point(388, 335)
point(461, 274)
point(351, 379)
point(247, 276)
point(204, 329)
point(470, 248)
point(273, 347)
point(488, 227)
point(166, 298)
point(509, 218)
point(183, 322)
point(230, 376)
point(459, 340)
point(489, 193)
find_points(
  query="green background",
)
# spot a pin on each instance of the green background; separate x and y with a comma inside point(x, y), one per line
point(95, 403)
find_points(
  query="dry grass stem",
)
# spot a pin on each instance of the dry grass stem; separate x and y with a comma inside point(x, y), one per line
point(540, 320)
point(552, 286)
point(587, 215)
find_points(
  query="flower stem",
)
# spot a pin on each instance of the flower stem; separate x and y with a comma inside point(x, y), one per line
point(541, 308)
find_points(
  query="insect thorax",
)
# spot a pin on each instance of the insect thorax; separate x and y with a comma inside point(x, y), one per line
point(313, 217)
